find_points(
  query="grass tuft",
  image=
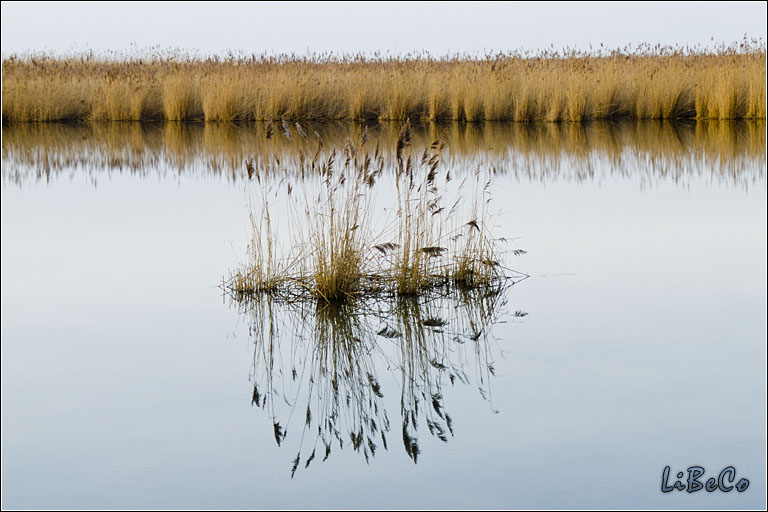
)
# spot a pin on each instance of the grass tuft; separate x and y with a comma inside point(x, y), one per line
point(336, 253)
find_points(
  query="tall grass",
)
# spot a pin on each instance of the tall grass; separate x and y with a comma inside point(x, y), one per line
point(645, 83)
point(344, 253)
point(265, 270)
point(338, 221)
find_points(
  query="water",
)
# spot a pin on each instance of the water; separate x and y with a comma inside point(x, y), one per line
point(639, 343)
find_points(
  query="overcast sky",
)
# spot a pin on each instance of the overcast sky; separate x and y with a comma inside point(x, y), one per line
point(346, 27)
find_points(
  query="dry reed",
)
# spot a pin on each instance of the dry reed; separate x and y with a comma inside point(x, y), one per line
point(342, 254)
point(645, 82)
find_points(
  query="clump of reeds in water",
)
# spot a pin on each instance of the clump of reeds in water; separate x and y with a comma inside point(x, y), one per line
point(646, 82)
point(338, 252)
point(419, 283)
point(338, 222)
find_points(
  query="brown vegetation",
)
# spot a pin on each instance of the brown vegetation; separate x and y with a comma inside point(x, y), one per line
point(337, 252)
point(644, 83)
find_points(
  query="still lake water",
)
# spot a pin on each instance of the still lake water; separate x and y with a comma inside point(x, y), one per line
point(637, 342)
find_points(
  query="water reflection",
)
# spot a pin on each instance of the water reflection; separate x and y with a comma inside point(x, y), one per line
point(731, 152)
point(322, 371)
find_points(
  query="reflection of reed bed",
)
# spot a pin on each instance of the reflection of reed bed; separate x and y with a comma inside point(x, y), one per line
point(733, 151)
point(337, 250)
point(318, 367)
point(644, 83)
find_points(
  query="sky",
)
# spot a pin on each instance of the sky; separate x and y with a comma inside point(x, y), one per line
point(388, 27)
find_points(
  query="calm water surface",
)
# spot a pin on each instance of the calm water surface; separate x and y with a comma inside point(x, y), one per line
point(637, 342)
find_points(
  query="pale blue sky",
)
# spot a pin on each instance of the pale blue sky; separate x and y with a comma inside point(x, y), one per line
point(351, 27)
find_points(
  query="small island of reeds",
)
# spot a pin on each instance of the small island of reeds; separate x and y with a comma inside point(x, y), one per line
point(416, 281)
point(646, 82)
point(338, 250)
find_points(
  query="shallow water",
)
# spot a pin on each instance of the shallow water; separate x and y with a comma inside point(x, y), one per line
point(639, 339)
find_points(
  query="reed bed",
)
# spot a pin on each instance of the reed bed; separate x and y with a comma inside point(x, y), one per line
point(647, 82)
point(338, 252)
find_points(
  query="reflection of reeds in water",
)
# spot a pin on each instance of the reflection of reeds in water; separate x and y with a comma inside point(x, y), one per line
point(733, 151)
point(317, 366)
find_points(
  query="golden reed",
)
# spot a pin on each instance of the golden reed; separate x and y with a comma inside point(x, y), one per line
point(644, 83)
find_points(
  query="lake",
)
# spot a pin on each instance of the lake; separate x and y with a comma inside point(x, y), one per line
point(631, 338)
